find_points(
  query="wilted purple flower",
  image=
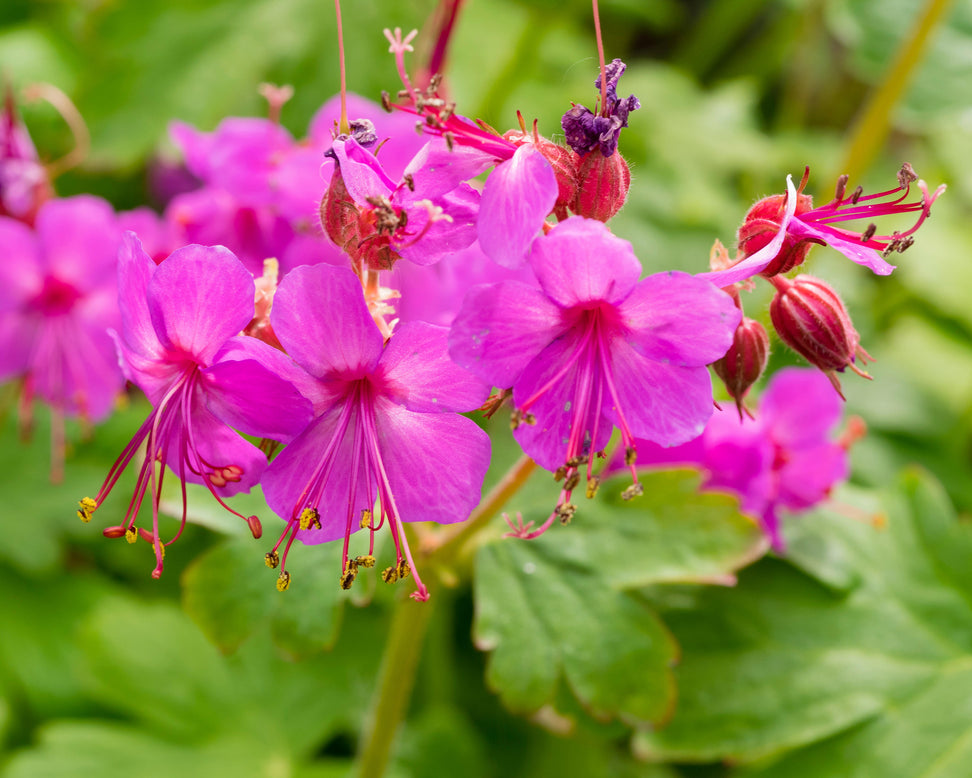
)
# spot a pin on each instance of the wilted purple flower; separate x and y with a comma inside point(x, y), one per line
point(179, 343)
point(785, 458)
point(588, 131)
point(594, 348)
point(57, 301)
point(385, 426)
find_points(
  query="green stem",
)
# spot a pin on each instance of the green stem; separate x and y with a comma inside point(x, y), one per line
point(410, 621)
point(872, 127)
point(403, 650)
point(524, 51)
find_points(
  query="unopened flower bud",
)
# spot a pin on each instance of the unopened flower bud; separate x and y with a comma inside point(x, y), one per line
point(745, 360)
point(602, 185)
point(810, 318)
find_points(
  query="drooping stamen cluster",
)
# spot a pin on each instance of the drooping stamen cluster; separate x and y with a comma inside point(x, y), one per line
point(599, 130)
point(178, 342)
point(821, 225)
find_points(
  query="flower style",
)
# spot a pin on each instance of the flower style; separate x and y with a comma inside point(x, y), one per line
point(594, 348)
point(57, 301)
point(784, 459)
point(179, 343)
point(793, 217)
point(384, 425)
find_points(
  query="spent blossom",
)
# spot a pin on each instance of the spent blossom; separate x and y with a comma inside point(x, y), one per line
point(179, 343)
point(386, 427)
point(594, 348)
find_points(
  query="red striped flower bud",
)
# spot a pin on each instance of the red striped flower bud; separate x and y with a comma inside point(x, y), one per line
point(811, 319)
point(602, 185)
point(745, 360)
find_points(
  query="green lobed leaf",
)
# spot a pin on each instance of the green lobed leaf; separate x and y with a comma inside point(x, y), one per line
point(545, 621)
point(871, 679)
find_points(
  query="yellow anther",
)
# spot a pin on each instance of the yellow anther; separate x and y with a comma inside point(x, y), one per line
point(403, 569)
point(389, 575)
point(560, 473)
point(630, 455)
point(131, 534)
point(635, 490)
point(310, 518)
point(349, 574)
point(593, 484)
point(86, 507)
point(365, 561)
point(365, 519)
point(283, 582)
point(565, 512)
point(272, 559)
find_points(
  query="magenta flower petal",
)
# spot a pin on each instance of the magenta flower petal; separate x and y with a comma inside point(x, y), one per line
point(248, 396)
point(16, 343)
point(517, 198)
point(442, 236)
point(580, 261)
point(676, 408)
point(363, 175)
point(314, 459)
point(436, 170)
point(760, 260)
point(79, 238)
point(419, 374)
point(676, 318)
point(501, 328)
point(852, 248)
point(135, 270)
point(801, 406)
point(425, 490)
point(199, 297)
point(21, 274)
point(345, 341)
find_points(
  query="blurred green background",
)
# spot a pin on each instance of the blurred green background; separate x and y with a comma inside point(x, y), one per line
point(849, 658)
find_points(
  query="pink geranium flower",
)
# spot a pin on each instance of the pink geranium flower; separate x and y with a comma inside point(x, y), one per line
point(179, 343)
point(784, 460)
point(385, 426)
point(57, 302)
point(594, 348)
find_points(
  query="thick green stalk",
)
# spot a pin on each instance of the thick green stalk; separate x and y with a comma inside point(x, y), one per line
point(872, 126)
point(410, 621)
point(399, 664)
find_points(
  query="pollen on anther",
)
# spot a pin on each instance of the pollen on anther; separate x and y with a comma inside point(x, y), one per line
point(635, 490)
point(593, 484)
point(365, 561)
point(131, 534)
point(283, 582)
point(349, 574)
point(310, 518)
point(366, 519)
point(86, 506)
point(403, 569)
point(389, 575)
point(272, 559)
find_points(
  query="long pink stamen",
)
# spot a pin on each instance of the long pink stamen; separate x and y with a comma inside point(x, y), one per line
point(600, 57)
point(344, 126)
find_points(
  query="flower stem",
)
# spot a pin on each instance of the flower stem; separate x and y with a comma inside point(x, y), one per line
point(410, 621)
point(871, 128)
point(451, 539)
point(403, 650)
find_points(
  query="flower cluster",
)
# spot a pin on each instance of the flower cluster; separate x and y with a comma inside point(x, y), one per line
point(271, 299)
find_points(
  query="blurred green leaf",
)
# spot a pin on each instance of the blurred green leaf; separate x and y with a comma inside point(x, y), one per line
point(884, 663)
point(230, 593)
